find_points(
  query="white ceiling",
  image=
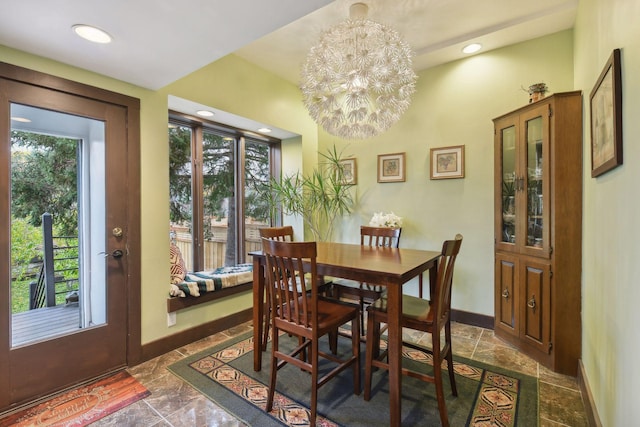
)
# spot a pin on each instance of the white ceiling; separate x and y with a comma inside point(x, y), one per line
point(157, 42)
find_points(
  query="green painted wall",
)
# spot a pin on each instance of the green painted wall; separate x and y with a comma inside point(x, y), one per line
point(610, 345)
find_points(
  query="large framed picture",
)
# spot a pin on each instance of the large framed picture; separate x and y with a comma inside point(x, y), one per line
point(447, 162)
point(391, 167)
point(349, 171)
point(606, 118)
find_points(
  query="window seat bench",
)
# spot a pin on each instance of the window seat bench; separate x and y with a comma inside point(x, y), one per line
point(205, 286)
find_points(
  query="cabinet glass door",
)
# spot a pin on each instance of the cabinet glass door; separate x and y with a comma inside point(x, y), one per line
point(535, 180)
point(509, 181)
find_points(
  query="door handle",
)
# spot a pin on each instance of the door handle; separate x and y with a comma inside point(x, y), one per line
point(116, 254)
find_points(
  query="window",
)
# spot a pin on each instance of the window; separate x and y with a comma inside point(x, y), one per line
point(214, 176)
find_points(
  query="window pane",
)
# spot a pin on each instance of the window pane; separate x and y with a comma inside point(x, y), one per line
point(57, 224)
point(257, 174)
point(219, 204)
point(509, 184)
point(180, 197)
point(534, 181)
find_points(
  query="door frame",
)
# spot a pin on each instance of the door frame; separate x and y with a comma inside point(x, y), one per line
point(132, 191)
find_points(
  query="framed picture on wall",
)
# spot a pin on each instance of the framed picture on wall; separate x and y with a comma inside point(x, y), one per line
point(606, 118)
point(349, 171)
point(391, 167)
point(447, 162)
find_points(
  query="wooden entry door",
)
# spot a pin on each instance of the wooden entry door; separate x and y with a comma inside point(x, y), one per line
point(98, 338)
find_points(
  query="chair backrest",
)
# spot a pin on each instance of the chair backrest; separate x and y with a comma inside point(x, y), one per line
point(285, 279)
point(380, 236)
point(444, 282)
point(284, 233)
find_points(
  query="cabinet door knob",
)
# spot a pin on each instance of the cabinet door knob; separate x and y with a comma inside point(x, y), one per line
point(505, 293)
point(532, 302)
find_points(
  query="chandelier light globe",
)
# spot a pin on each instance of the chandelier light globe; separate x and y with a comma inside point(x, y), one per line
point(358, 81)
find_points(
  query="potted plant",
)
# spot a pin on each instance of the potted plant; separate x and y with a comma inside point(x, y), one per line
point(319, 198)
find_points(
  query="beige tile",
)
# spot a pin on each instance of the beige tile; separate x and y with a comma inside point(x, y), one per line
point(562, 405)
point(203, 344)
point(506, 357)
point(466, 331)
point(203, 412)
point(548, 376)
point(170, 394)
point(549, 423)
point(131, 415)
point(154, 369)
point(239, 329)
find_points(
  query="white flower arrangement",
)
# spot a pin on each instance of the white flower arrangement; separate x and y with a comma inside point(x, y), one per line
point(381, 219)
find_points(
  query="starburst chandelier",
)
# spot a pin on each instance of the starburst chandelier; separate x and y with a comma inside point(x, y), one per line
point(358, 81)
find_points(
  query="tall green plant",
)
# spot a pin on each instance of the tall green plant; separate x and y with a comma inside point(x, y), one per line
point(319, 198)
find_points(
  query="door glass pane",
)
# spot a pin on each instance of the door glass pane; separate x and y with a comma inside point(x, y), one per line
point(219, 202)
point(508, 136)
point(180, 188)
point(257, 175)
point(57, 224)
point(535, 199)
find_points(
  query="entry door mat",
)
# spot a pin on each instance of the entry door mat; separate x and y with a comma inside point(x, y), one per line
point(487, 395)
point(83, 405)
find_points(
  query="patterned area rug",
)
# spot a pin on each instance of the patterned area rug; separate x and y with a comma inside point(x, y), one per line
point(487, 395)
point(83, 405)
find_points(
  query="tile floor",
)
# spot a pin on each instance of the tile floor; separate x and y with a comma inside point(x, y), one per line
point(174, 403)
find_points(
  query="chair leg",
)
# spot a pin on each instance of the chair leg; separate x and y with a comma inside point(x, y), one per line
point(362, 328)
point(333, 341)
point(371, 318)
point(437, 375)
point(267, 326)
point(274, 371)
point(449, 357)
point(355, 348)
point(314, 382)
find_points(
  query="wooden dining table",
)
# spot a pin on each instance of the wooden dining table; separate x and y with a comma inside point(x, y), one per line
point(390, 267)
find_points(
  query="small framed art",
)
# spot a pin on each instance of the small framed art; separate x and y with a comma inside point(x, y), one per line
point(606, 118)
point(447, 162)
point(349, 171)
point(391, 167)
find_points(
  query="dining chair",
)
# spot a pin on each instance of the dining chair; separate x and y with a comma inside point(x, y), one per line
point(422, 315)
point(284, 234)
point(367, 293)
point(298, 309)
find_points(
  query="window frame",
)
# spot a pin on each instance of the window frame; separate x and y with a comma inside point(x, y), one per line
point(198, 127)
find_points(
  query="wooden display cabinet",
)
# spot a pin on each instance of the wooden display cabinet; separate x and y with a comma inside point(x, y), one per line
point(538, 229)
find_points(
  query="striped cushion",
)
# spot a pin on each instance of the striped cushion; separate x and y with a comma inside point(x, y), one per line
point(200, 282)
point(177, 268)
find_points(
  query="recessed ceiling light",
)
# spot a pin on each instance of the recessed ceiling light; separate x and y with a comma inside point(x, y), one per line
point(264, 130)
point(93, 34)
point(204, 113)
point(472, 48)
point(21, 119)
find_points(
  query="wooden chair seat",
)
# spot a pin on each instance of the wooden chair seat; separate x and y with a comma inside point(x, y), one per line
point(329, 313)
point(422, 315)
point(416, 311)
